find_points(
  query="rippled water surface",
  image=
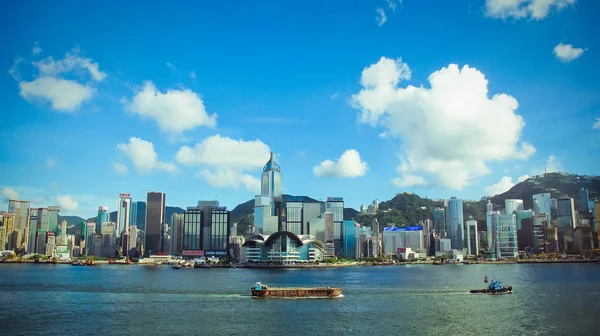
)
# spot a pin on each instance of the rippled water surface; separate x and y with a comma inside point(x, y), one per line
point(558, 299)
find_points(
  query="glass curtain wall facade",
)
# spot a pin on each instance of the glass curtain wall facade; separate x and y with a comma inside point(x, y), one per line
point(454, 223)
point(439, 221)
point(155, 217)
point(192, 230)
point(294, 217)
point(505, 236)
point(542, 205)
point(219, 233)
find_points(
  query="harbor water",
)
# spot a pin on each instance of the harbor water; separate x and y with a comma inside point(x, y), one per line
point(548, 299)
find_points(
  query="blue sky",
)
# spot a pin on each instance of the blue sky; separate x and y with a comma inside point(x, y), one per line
point(188, 98)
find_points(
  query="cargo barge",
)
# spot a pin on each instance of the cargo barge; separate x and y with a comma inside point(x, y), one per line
point(260, 290)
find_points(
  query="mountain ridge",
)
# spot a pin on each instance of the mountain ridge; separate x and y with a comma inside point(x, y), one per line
point(405, 208)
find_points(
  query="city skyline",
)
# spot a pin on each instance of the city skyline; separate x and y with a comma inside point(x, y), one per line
point(181, 111)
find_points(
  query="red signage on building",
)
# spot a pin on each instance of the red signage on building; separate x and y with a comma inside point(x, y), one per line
point(50, 234)
point(124, 195)
point(193, 252)
point(401, 250)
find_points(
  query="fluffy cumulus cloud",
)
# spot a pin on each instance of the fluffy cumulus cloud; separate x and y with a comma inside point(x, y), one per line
point(226, 161)
point(144, 158)
point(503, 185)
point(67, 203)
point(52, 86)
point(597, 124)
point(175, 111)
point(566, 52)
point(448, 131)
point(520, 9)
point(10, 193)
point(119, 168)
point(348, 165)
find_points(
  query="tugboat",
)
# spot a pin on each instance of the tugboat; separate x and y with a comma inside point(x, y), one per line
point(176, 267)
point(495, 287)
point(260, 290)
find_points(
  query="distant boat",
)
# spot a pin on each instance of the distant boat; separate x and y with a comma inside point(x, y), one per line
point(261, 290)
point(485, 279)
point(177, 266)
point(495, 287)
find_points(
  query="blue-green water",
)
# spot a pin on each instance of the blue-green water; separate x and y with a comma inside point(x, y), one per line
point(558, 299)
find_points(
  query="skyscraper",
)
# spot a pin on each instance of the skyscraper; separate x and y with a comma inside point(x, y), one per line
point(133, 214)
point(103, 216)
point(454, 223)
point(270, 185)
point(335, 205)
point(512, 205)
point(20, 210)
point(542, 205)
point(155, 218)
point(177, 224)
point(472, 237)
point(566, 208)
point(439, 221)
point(123, 213)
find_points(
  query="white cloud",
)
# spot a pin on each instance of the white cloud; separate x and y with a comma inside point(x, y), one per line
point(225, 160)
point(225, 177)
point(49, 67)
point(519, 9)
point(36, 48)
point(522, 178)
point(170, 65)
point(335, 96)
point(392, 4)
point(408, 180)
point(193, 75)
point(175, 111)
point(380, 17)
point(50, 162)
point(348, 165)
point(449, 130)
point(119, 168)
point(67, 203)
point(144, 158)
point(502, 186)
point(552, 165)
point(597, 124)
point(64, 95)
point(566, 52)
point(10, 193)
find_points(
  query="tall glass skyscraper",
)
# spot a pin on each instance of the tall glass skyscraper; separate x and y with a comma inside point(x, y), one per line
point(123, 214)
point(133, 215)
point(103, 216)
point(20, 210)
point(455, 222)
point(542, 204)
point(270, 185)
point(155, 218)
point(52, 218)
point(439, 221)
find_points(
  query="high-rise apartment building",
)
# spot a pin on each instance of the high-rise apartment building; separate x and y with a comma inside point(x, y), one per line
point(123, 214)
point(454, 223)
point(294, 208)
point(155, 218)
